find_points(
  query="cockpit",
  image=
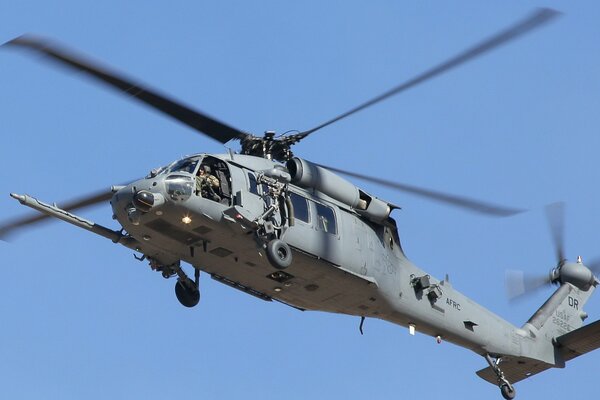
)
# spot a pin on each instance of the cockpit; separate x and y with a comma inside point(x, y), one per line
point(185, 165)
point(214, 180)
point(211, 176)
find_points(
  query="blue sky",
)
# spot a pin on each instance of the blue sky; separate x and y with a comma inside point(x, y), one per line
point(82, 319)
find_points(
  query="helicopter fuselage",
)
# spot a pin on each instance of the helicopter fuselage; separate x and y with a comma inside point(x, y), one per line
point(302, 235)
point(342, 262)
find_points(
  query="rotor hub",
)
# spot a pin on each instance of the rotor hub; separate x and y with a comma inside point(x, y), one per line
point(576, 274)
point(269, 146)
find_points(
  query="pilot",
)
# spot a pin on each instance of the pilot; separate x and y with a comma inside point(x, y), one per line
point(207, 184)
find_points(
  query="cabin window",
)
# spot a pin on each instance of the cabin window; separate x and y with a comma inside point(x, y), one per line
point(326, 219)
point(264, 188)
point(300, 205)
point(252, 186)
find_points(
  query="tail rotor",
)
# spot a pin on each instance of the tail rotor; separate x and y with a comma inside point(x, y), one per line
point(520, 284)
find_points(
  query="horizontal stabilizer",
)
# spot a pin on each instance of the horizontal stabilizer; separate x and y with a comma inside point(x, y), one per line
point(580, 341)
point(515, 369)
point(571, 345)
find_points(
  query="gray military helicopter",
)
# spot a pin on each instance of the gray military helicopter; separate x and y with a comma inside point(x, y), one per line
point(284, 229)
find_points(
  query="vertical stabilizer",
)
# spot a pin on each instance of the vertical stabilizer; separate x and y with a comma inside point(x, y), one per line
point(552, 336)
point(561, 313)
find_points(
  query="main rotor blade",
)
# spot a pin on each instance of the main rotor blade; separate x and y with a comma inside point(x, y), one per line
point(555, 213)
point(457, 201)
point(539, 18)
point(192, 118)
point(9, 228)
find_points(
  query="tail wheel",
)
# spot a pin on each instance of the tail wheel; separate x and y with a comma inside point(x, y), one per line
point(508, 392)
point(279, 254)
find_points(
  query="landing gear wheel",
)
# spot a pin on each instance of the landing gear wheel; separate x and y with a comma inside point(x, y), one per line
point(188, 295)
point(506, 389)
point(279, 254)
point(508, 392)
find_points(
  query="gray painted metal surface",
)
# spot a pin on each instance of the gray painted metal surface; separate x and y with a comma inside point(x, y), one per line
point(344, 261)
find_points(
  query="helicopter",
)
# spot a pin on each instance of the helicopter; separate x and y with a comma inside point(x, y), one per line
point(284, 229)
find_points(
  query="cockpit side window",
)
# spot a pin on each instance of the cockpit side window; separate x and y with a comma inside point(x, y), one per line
point(252, 186)
point(213, 180)
point(255, 187)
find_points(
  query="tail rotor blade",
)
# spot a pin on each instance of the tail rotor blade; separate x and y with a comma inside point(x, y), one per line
point(555, 213)
point(594, 265)
point(518, 284)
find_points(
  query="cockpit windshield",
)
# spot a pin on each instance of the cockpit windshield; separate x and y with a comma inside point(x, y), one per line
point(185, 165)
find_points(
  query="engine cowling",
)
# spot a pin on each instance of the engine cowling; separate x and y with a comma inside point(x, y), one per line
point(311, 176)
point(377, 210)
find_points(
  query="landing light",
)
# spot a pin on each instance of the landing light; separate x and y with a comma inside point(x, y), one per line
point(134, 216)
point(186, 220)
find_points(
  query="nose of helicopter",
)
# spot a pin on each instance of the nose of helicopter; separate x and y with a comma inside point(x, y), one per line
point(148, 195)
point(131, 201)
point(144, 200)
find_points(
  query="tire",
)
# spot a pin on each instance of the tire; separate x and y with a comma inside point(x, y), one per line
point(507, 391)
point(279, 254)
point(187, 296)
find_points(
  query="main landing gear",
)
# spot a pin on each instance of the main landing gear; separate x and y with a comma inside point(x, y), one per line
point(279, 253)
point(506, 389)
point(186, 290)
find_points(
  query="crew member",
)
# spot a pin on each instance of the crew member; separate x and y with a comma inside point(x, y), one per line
point(207, 184)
